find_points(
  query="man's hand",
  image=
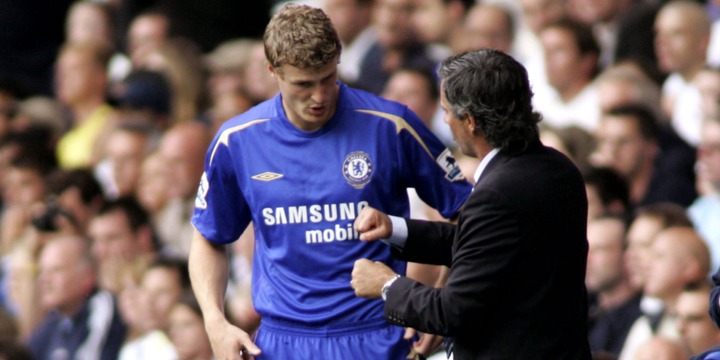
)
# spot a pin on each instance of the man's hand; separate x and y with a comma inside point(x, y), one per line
point(372, 224)
point(369, 277)
point(427, 342)
point(230, 343)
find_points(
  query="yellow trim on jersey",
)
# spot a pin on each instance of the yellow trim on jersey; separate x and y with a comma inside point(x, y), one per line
point(223, 139)
point(400, 124)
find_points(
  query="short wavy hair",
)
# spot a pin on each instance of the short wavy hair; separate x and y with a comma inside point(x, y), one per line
point(493, 88)
point(301, 36)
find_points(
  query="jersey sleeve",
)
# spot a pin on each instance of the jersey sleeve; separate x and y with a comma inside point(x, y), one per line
point(221, 213)
point(430, 168)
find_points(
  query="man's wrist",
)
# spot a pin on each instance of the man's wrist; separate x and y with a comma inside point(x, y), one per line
point(399, 234)
point(386, 287)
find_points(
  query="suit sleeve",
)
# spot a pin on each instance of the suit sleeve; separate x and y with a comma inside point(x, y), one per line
point(429, 242)
point(487, 243)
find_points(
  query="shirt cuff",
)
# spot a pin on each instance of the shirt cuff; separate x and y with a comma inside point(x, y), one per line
point(399, 233)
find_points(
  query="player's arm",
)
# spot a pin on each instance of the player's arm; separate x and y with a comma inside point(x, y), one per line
point(208, 265)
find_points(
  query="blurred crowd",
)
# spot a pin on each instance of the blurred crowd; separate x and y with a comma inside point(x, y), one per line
point(104, 131)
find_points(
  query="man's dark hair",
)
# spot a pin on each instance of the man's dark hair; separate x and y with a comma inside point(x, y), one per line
point(428, 75)
point(177, 264)
point(669, 214)
point(493, 88)
point(136, 215)
point(466, 3)
point(583, 36)
point(609, 184)
point(82, 179)
point(644, 118)
point(582, 33)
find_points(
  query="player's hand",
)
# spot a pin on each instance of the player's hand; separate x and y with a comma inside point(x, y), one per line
point(372, 224)
point(426, 343)
point(368, 278)
point(230, 343)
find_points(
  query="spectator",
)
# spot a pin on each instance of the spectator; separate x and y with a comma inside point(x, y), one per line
point(489, 26)
point(260, 84)
point(397, 45)
point(697, 331)
point(148, 31)
point(190, 19)
point(180, 60)
point(144, 99)
point(679, 257)
point(24, 189)
point(226, 82)
point(151, 189)
point(352, 20)
point(660, 348)
point(78, 194)
point(440, 23)
point(94, 22)
point(134, 313)
point(627, 141)
point(624, 28)
point(708, 84)
point(416, 88)
point(571, 63)
point(705, 210)
point(573, 141)
point(536, 16)
point(648, 221)
point(607, 193)
point(187, 330)
point(181, 149)
point(607, 278)
point(42, 112)
point(83, 322)
point(682, 30)
point(227, 64)
point(120, 233)
point(162, 284)
point(15, 143)
point(125, 149)
point(627, 83)
point(81, 84)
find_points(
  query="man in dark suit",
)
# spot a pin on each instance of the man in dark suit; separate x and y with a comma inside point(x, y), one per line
point(518, 252)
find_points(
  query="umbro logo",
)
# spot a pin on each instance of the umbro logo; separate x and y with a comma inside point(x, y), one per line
point(267, 176)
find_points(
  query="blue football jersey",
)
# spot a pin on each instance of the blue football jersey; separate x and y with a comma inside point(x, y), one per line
point(303, 191)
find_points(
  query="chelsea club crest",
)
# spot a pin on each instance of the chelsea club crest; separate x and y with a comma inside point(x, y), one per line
point(358, 169)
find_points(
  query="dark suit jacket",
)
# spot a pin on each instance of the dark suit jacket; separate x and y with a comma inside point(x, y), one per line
point(517, 260)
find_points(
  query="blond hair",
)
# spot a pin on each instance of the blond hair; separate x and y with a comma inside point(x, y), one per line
point(301, 36)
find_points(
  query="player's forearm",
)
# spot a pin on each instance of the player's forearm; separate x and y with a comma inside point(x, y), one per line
point(208, 266)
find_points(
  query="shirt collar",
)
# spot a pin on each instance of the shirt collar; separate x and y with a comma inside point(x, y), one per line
point(483, 163)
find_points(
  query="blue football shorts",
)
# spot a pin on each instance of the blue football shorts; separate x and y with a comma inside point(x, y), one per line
point(373, 340)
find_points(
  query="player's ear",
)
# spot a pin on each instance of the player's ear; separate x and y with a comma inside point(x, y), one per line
point(272, 70)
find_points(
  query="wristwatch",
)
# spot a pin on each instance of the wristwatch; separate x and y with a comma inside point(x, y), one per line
point(386, 287)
